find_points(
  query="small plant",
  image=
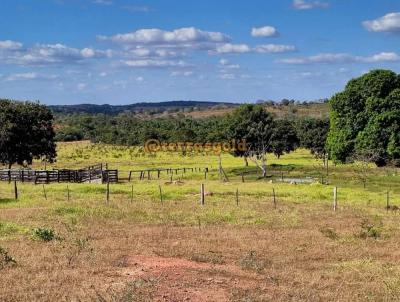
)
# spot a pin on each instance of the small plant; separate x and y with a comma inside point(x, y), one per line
point(6, 259)
point(330, 233)
point(369, 230)
point(77, 248)
point(44, 234)
point(208, 258)
point(252, 262)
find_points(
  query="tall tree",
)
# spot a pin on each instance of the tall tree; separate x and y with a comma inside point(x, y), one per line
point(365, 116)
point(284, 138)
point(255, 126)
point(312, 134)
point(26, 133)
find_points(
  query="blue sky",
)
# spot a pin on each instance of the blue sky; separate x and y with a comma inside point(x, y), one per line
point(125, 51)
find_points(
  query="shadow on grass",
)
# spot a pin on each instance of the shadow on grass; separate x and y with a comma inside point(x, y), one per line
point(6, 200)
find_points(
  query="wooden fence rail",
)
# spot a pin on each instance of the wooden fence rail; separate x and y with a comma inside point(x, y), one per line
point(147, 173)
point(87, 174)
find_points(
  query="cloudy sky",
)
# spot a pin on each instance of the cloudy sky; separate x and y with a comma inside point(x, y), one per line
point(125, 51)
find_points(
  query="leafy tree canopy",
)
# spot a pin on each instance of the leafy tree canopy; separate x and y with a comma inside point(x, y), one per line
point(365, 117)
point(26, 133)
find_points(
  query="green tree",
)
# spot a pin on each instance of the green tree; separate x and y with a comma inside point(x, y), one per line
point(255, 126)
point(312, 134)
point(365, 117)
point(26, 133)
point(284, 138)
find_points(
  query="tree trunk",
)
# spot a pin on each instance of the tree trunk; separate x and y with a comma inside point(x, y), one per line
point(263, 166)
point(246, 162)
point(220, 166)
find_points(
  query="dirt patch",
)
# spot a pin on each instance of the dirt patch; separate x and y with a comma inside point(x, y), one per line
point(185, 280)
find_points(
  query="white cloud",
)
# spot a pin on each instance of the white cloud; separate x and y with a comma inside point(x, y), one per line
point(265, 31)
point(29, 76)
point(274, 48)
point(232, 48)
point(81, 86)
point(136, 8)
point(388, 23)
point(306, 4)
point(156, 36)
point(103, 74)
point(45, 54)
point(383, 57)
point(181, 73)
point(329, 58)
point(139, 79)
point(225, 64)
point(144, 52)
point(103, 2)
point(244, 48)
point(22, 76)
point(154, 63)
point(10, 45)
point(88, 53)
point(228, 76)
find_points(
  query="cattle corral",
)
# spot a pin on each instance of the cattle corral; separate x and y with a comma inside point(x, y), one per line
point(88, 174)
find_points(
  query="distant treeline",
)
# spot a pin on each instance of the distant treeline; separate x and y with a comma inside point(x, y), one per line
point(172, 107)
point(126, 129)
point(151, 108)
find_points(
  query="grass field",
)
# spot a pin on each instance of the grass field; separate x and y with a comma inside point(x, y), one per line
point(139, 248)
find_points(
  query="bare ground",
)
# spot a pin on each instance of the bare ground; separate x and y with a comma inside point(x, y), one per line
point(117, 261)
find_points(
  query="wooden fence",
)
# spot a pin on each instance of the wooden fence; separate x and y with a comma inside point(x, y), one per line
point(148, 173)
point(87, 174)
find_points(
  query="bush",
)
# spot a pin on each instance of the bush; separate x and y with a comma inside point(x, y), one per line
point(369, 230)
point(5, 258)
point(44, 234)
point(330, 233)
point(252, 262)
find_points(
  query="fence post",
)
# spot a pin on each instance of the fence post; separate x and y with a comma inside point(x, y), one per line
point(44, 192)
point(108, 191)
point(202, 195)
point(334, 199)
point(15, 189)
point(161, 196)
point(274, 197)
point(387, 201)
point(237, 197)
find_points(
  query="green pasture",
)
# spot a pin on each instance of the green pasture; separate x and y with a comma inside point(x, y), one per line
point(139, 201)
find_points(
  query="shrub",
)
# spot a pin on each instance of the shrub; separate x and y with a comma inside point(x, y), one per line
point(330, 233)
point(252, 262)
point(44, 234)
point(5, 258)
point(369, 230)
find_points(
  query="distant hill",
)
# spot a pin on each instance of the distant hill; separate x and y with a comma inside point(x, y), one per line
point(138, 107)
